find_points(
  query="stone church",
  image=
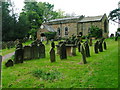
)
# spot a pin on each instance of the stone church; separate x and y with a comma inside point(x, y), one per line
point(66, 27)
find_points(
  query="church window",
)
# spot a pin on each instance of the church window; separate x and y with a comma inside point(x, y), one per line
point(58, 31)
point(66, 30)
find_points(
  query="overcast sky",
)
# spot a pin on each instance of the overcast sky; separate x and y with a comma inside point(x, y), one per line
point(81, 7)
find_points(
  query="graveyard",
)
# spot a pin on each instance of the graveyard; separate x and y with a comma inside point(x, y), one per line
point(53, 68)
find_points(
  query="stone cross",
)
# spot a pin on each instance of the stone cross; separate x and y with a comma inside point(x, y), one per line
point(83, 54)
point(52, 55)
point(63, 54)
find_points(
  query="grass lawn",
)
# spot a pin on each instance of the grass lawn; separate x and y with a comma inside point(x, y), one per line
point(101, 71)
point(7, 51)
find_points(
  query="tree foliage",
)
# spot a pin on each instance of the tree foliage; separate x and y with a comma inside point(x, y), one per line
point(114, 15)
point(50, 35)
point(95, 32)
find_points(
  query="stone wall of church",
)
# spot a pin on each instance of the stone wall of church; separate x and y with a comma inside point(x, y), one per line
point(72, 29)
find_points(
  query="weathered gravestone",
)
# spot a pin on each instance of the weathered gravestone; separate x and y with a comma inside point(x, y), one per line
point(96, 46)
point(87, 50)
point(27, 53)
point(79, 44)
point(41, 50)
point(4, 45)
point(19, 45)
point(53, 45)
point(52, 55)
point(18, 56)
point(105, 46)
point(90, 41)
point(9, 63)
point(63, 54)
point(8, 45)
point(35, 51)
point(83, 54)
point(100, 46)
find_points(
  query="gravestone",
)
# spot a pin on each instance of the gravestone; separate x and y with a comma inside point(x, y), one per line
point(100, 46)
point(96, 46)
point(41, 50)
point(87, 50)
point(19, 45)
point(4, 45)
point(79, 44)
point(35, 51)
point(18, 56)
point(90, 41)
point(27, 53)
point(83, 54)
point(53, 45)
point(8, 44)
point(105, 47)
point(52, 55)
point(63, 54)
point(9, 63)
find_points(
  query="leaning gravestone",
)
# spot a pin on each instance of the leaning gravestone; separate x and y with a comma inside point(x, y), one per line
point(83, 54)
point(27, 53)
point(19, 45)
point(105, 47)
point(79, 44)
point(41, 50)
point(9, 63)
point(18, 56)
point(100, 46)
point(63, 54)
point(96, 47)
point(52, 55)
point(34, 51)
point(87, 50)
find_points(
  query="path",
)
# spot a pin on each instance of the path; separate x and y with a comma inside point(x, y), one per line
point(7, 56)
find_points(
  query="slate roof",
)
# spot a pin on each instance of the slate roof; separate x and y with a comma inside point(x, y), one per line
point(91, 18)
point(62, 19)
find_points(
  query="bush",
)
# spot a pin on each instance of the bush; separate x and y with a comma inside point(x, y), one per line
point(95, 32)
point(50, 35)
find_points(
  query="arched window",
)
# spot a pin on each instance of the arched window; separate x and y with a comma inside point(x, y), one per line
point(66, 30)
point(58, 31)
point(105, 26)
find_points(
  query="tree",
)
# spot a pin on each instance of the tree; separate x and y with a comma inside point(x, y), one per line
point(114, 15)
point(95, 32)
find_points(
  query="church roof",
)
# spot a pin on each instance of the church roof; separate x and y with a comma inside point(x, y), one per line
point(49, 28)
point(62, 19)
point(91, 18)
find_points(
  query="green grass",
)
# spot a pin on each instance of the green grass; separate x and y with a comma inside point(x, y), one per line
point(7, 51)
point(101, 71)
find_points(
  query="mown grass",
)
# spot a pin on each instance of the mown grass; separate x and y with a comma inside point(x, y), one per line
point(101, 71)
point(7, 51)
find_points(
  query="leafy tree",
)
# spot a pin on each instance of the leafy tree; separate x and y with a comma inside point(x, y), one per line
point(95, 32)
point(114, 15)
point(50, 35)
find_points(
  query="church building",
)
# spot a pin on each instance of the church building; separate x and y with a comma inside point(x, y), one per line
point(66, 27)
